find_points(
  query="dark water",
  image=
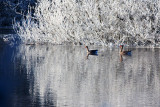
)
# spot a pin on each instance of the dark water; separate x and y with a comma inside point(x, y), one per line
point(58, 76)
point(6, 31)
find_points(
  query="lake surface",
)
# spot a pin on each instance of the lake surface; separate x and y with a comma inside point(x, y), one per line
point(60, 76)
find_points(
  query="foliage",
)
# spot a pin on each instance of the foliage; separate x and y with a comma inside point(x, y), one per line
point(92, 22)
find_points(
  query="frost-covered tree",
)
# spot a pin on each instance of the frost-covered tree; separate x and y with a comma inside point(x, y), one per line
point(10, 9)
point(93, 22)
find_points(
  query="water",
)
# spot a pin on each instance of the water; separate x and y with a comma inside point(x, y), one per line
point(60, 76)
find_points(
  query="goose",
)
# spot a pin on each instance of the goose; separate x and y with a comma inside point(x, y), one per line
point(122, 52)
point(91, 52)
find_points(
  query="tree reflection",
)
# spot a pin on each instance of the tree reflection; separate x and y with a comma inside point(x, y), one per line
point(60, 76)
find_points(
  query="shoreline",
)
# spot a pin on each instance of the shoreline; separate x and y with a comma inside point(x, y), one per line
point(6, 31)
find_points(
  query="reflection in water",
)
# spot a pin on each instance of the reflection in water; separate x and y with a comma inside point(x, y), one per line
point(61, 76)
point(121, 57)
point(87, 57)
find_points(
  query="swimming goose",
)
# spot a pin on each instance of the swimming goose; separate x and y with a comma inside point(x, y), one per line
point(122, 52)
point(91, 52)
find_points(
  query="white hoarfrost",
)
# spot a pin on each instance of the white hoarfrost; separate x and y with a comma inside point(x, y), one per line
point(92, 22)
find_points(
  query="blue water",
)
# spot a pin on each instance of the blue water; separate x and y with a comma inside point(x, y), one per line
point(58, 76)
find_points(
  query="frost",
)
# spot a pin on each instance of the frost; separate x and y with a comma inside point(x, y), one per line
point(92, 22)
